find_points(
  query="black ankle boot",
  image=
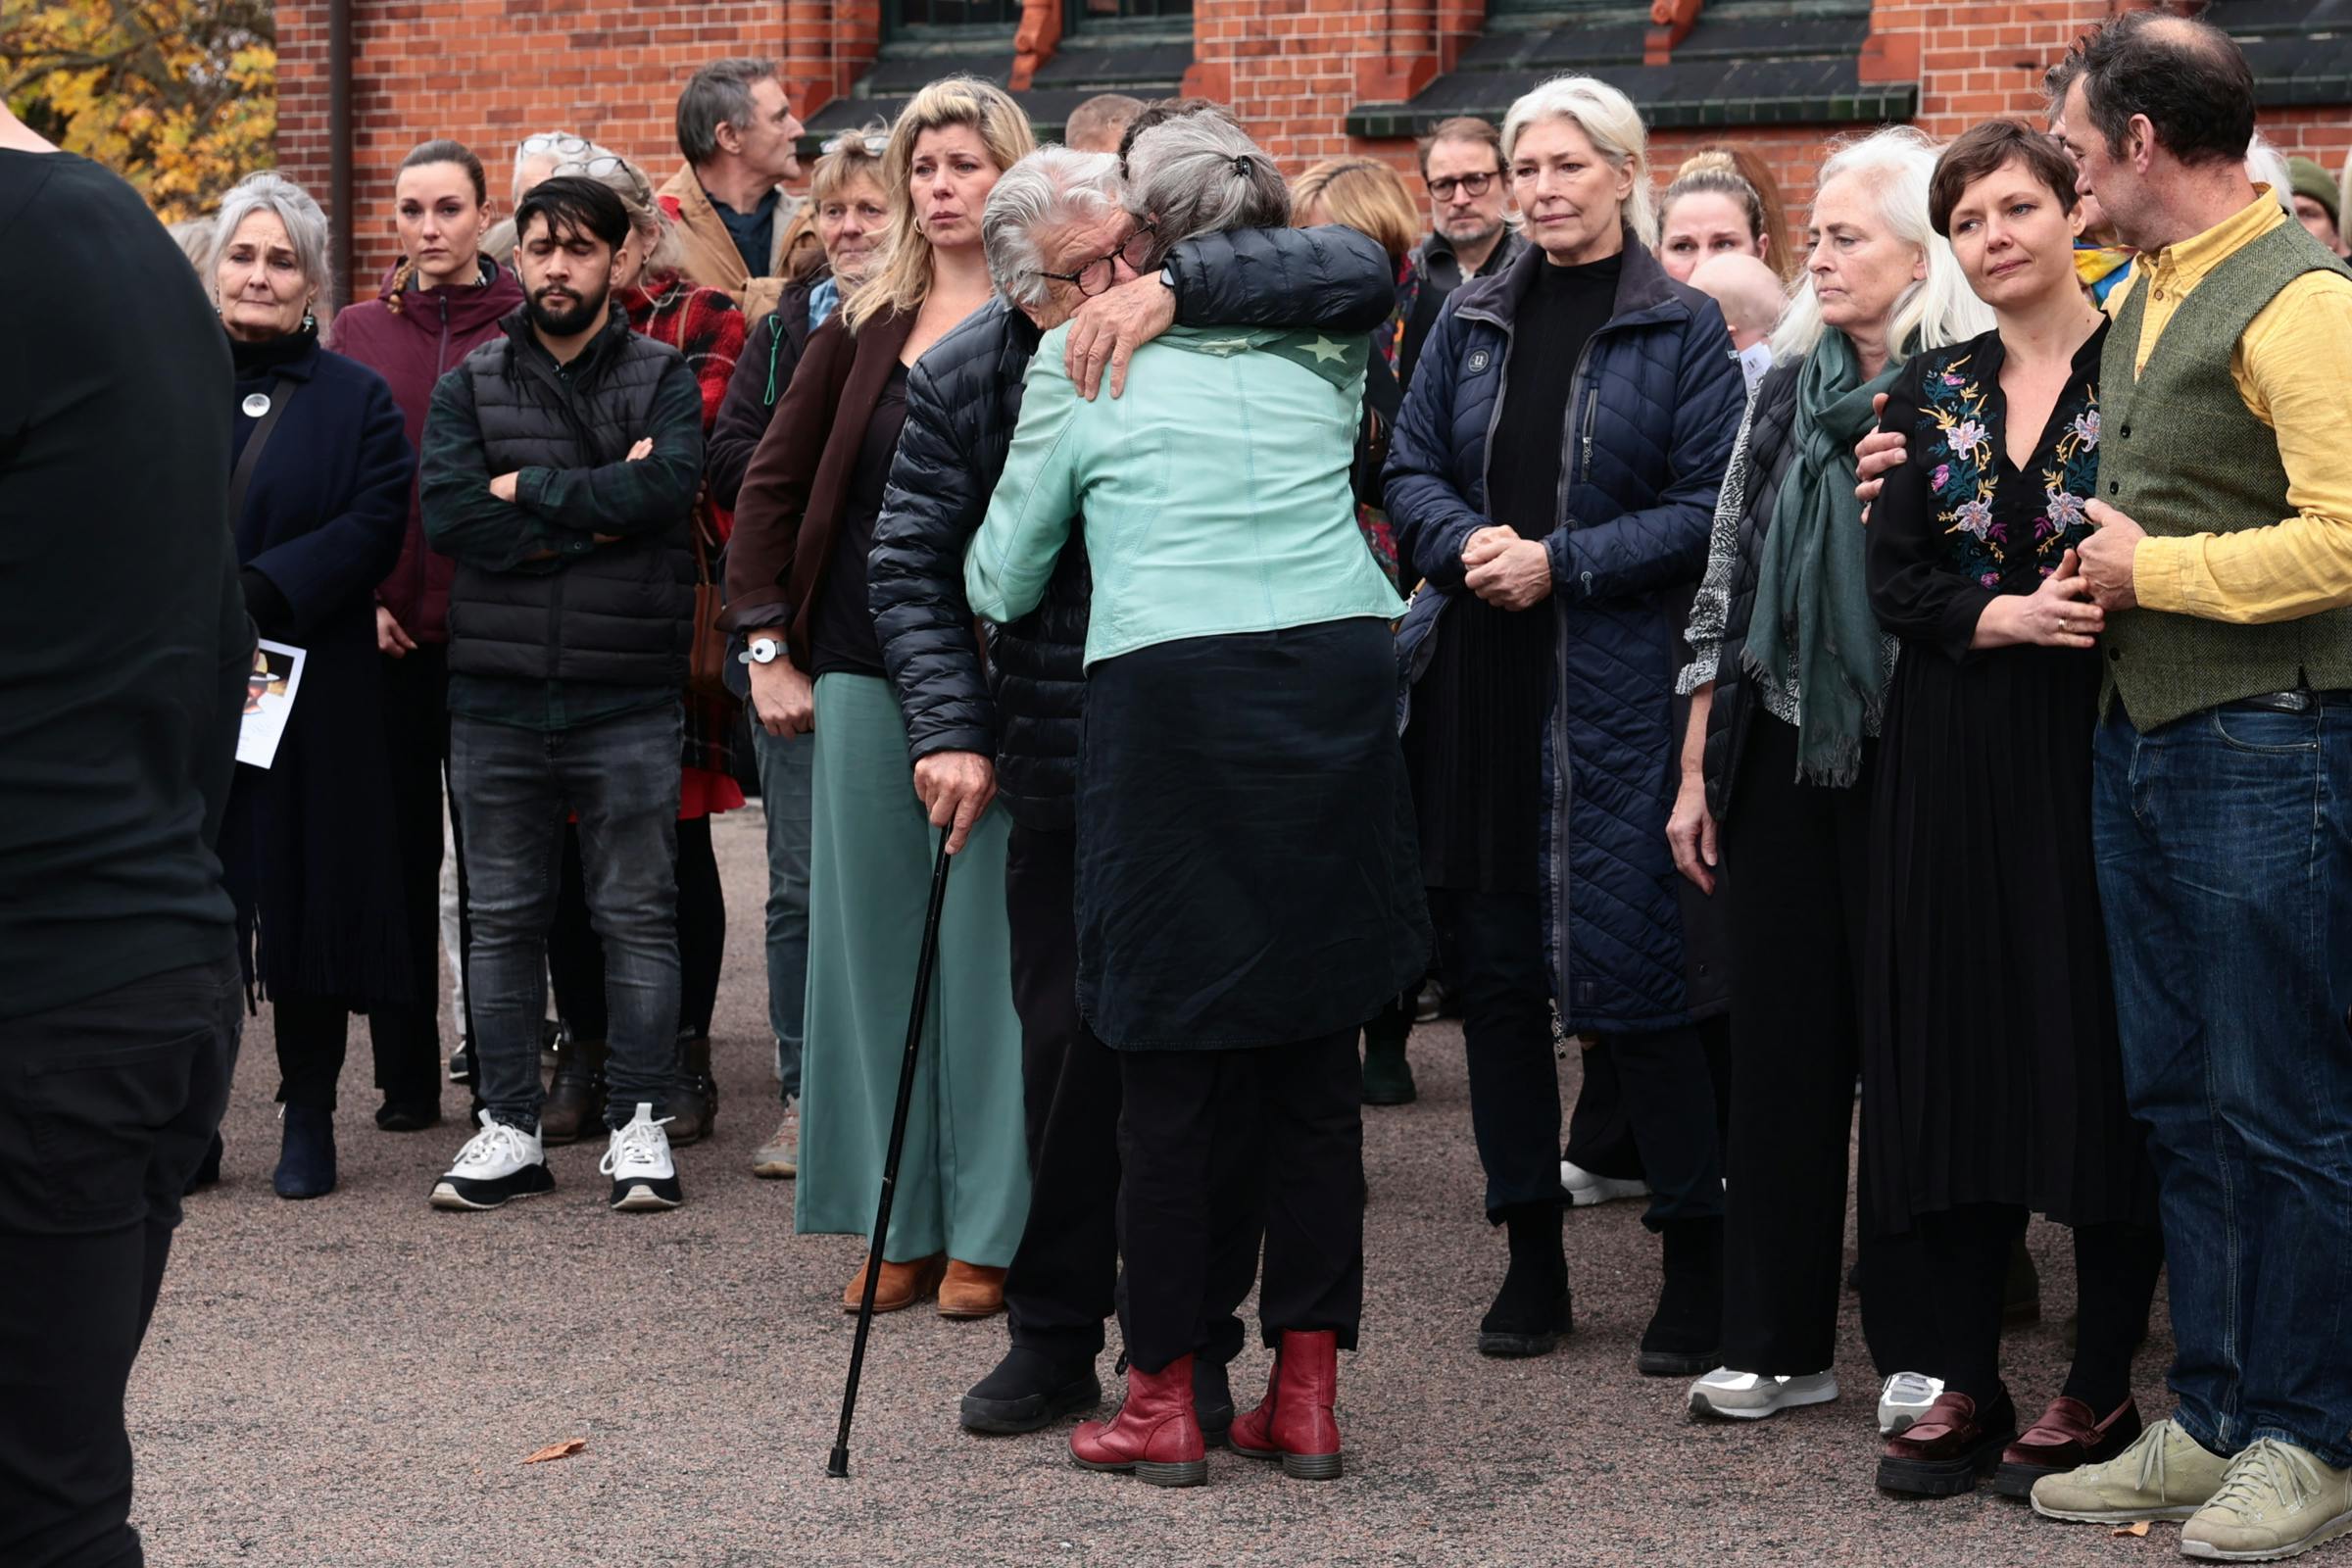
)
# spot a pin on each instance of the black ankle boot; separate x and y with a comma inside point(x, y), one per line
point(694, 1101)
point(1685, 1337)
point(1031, 1389)
point(575, 1096)
point(1213, 1400)
point(1531, 1313)
point(306, 1160)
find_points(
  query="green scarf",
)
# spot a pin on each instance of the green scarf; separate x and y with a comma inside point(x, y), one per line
point(1812, 610)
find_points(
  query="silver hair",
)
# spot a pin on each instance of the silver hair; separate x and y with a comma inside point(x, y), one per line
point(1051, 188)
point(556, 146)
point(1609, 121)
point(1202, 174)
point(2266, 164)
point(721, 94)
point(305, 225)
point(649, 225)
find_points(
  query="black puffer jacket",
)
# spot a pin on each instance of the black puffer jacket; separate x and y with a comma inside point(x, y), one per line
point(963, 399)
point(617, 613)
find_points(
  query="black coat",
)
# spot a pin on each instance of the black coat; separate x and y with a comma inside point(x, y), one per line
point(307, 848)
point(963, 399)
point(762, 374)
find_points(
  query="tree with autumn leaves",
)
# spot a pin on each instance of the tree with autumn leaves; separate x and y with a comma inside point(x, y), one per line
point(180, 97)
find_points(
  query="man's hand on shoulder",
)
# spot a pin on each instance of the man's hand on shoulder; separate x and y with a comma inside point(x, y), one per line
point(1110, 328)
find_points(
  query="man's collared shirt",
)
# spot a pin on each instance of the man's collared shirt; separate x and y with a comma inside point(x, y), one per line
point(2293, 368)
point(754, 232)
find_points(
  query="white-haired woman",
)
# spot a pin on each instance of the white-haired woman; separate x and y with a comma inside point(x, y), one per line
point(797, 588)
point(1246, 894)
point(704, 325)
point(1552, 477)
point(1788, 678)
point(319, 498)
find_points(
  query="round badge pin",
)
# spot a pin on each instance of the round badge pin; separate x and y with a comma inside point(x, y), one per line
point(256, 405)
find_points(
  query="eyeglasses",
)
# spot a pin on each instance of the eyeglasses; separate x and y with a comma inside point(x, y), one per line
point(596, 167)
point(874, 142)
point(562, 143)
point(1471, 184)
point(1097, 276)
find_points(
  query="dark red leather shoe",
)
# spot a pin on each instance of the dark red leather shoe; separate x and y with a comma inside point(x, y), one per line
point(1944, 1452)
point(1295, 1423)
point(2069, 1435)
point(1155, 1433)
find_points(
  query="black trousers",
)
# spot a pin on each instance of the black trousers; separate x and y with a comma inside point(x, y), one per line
point(106, 1107)
point(1793, 862)
point(575, 958)
point(1294, 1112)
point(405, 1036)
point(1601, 1129)
point(1064, 1282)
point(310, 1039)
point(1495, 953)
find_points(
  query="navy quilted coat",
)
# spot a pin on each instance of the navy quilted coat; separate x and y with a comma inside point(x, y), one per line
point(1656, 402)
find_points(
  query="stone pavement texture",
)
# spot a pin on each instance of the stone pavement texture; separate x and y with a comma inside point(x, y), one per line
point(356, 1381)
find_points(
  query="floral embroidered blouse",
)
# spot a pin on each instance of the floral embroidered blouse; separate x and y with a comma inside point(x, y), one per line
point(1959, 524)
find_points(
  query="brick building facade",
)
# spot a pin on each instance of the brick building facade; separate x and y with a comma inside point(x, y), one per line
point(1309, 78)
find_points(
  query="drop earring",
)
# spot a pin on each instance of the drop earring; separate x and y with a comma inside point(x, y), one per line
point(310, 323)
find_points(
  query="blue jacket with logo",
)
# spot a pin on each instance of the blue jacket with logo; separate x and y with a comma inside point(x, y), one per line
point(1655, 405)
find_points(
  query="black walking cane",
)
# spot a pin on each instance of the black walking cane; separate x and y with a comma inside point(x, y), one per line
point(838, 1465)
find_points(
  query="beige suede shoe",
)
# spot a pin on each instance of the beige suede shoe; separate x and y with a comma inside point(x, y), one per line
point(2166, 1475)
point(2278, 1500)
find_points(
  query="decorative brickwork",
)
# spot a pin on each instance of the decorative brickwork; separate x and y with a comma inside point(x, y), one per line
point(488, 72)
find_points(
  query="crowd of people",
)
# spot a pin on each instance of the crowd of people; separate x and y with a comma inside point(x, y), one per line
point(1910, 647)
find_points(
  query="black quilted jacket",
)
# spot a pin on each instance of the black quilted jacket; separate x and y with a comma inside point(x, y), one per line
point(963, 399)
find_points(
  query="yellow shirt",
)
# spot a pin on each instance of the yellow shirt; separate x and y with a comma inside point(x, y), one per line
point(2293, 367)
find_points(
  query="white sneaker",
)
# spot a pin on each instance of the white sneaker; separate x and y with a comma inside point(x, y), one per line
point(1585, 1189)
point(780, 1156)
point(497, 1164)
point(1751, 1395)
point(1905, 1398)
point(637, 1159)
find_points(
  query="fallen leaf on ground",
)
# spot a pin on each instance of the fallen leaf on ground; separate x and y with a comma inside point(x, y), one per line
point(572, 1446)
point(2138, 1527)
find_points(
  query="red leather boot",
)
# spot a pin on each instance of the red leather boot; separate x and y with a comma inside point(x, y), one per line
point(1295, 1423)
point(1155, 1433)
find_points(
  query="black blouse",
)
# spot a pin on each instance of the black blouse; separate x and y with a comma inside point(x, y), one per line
point(1958, 524)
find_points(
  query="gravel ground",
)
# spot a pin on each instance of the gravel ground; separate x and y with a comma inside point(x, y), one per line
point(356, 1381)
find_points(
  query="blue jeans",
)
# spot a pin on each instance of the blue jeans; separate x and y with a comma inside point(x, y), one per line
point(784, 775)
point(512, 788)
point(2224, 862)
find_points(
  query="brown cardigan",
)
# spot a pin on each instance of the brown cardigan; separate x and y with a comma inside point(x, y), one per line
point(797, 488)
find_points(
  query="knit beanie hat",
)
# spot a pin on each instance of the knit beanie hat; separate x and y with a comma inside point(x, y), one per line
point(2311, 180)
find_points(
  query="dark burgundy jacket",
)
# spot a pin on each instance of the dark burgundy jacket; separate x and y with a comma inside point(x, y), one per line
point(411, 341)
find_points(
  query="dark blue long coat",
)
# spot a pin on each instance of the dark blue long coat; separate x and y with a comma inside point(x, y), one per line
point(308, 844)
point(1651, 418)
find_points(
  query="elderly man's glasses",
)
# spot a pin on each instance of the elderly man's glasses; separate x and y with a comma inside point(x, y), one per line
point(1097, 276)
point(1471, 185)
point(561, 143)
point(599, 167)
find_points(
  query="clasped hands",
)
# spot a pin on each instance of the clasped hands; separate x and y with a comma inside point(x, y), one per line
point(508, 485)
point(1505, 570)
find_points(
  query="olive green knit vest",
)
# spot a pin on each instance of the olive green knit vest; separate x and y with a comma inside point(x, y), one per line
point(2181, 455)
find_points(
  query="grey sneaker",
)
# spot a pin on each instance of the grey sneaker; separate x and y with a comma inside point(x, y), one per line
point(1751, 1395)
point(1903, 1399)
point(780, 1156)
point(2166, 1475)
point(2278, 1500)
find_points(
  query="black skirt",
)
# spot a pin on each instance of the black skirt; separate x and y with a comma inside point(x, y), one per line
point(1246, 867)
point(1990, 1068)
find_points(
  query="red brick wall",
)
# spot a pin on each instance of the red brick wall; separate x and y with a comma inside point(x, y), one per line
point(488, 72)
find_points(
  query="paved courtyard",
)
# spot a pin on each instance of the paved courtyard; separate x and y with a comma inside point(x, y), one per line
point(356, 1381)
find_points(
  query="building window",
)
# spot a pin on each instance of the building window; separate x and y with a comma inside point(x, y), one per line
point(904, 15)
point(1086, 10)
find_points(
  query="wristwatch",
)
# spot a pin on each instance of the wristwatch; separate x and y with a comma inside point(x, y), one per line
point(762, 650)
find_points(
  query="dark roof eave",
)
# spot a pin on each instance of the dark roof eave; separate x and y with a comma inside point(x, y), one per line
point(1877, 103)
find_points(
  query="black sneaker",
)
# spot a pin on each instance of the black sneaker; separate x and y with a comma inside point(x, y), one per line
point(497, 1164)
point(637, 1159)
point(1030, 1390)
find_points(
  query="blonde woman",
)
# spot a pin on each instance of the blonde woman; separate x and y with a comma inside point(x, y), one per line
point(797, 587)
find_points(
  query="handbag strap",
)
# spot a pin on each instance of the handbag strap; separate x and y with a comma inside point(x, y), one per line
point(241, 478)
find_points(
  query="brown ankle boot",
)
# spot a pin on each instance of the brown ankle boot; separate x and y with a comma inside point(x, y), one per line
point(694, 1102)
point(1155, 1433)
point(970, 1291)
point(901, 1283)
point(576, 1098)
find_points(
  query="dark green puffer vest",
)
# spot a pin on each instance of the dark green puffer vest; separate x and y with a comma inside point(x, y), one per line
point(2181, 455)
